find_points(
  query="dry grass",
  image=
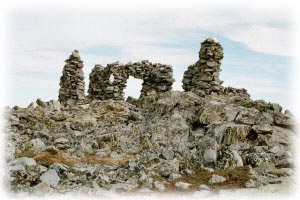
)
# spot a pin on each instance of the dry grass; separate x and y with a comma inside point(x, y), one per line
point(108, 109)
point(236, 178)
point(47, 158)
point(26, 152)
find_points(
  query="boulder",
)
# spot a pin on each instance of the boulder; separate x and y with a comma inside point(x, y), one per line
point(216, 179)
point(50, 177)
point(182, 186)
point(210, 155)
point(235, 133)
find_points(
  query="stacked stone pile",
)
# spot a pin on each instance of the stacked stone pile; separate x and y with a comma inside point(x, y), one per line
point(203, 76)
point(72, 81)
point(110, 82)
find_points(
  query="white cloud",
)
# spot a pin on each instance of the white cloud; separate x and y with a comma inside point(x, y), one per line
point(77, 28)
point(262, 86)
point(265, 39)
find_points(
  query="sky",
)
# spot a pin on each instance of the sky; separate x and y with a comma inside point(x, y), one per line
point(257, 42)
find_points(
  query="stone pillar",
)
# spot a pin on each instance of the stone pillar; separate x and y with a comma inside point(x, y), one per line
point(72, 81)
point(202, 77)
point(97, 83)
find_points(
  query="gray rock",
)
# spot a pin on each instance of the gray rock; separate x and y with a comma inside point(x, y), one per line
point(204, 187)
point(182, 186)
point(14, 120)
point(54, 105)
point(159, 185)
point(284, 121)
point(37, 144)
point(216, 179)
point(23, 161)
point(174, 176)
point(58, 167)
point(75, 54)
point(283, 172)
point(210, 156)
point(168, 167)
point(16, 168)
point(41, 189)
point(235, 133)
point(238, 159)
point(276, 107)
point(85, 106)
point(61, 140)
point(252, 184)
point(263, 129)
point(168, 154)
point(51, 177)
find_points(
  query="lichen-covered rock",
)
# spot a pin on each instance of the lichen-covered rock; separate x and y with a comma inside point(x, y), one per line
point(51, 177)
point(235, 133)
point(210, 155)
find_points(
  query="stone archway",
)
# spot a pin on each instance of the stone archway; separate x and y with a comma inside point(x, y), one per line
point(110, 82)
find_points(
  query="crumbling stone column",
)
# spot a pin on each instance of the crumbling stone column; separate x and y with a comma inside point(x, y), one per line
point(202, 77)
point(72, 81)
point(97, 82)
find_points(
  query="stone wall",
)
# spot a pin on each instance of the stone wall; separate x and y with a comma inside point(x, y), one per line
point(110, 82)
point(203, 76)
point(72, 81)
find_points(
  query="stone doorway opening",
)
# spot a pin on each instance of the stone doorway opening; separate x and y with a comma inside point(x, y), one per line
point(133, 87)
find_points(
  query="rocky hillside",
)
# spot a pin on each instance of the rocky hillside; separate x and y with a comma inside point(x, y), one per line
point(173, 141)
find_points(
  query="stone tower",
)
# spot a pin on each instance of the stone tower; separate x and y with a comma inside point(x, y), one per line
point(202, 77)
point(72, 81)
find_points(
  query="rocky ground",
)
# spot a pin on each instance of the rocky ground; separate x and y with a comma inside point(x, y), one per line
point(172, 142)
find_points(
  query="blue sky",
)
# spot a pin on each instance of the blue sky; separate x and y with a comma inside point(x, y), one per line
point(257, 46)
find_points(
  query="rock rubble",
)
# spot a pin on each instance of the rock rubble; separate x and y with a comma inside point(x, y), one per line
point(164, 141)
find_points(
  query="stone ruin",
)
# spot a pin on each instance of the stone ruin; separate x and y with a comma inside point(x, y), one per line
point(72, 81)
point(109, 82)
point(202, 77)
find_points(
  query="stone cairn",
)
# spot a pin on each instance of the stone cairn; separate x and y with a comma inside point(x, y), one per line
point(202, 77)
point(72, 81)
point(110, 82)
